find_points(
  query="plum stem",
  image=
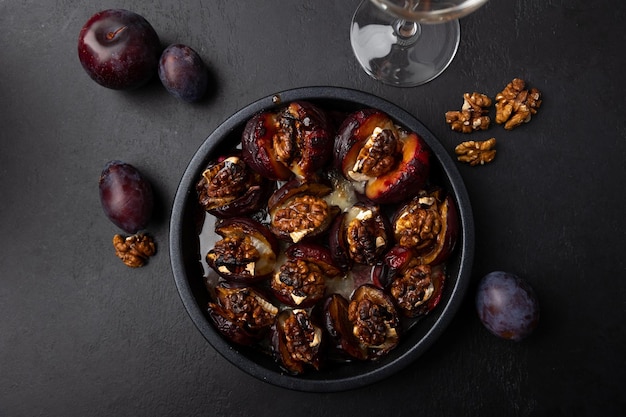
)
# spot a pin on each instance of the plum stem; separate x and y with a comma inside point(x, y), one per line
point(111, 35)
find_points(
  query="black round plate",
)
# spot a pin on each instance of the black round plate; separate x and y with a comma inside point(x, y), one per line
point(188, 271)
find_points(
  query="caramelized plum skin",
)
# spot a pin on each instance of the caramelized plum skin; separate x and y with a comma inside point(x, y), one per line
point(295, 140)
point(126, 196)
point(340, 329)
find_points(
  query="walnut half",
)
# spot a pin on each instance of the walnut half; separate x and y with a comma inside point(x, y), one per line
point(516, 105)
point(473, 115)
point(134, 250)
point(476, 152)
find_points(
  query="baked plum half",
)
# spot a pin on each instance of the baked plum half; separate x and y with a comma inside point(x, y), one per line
point(415, 288)
point(299, 209)
point(340, 329)
point(370, 325)
point(301, 279)
point(246, 253)
point(296, 139)
point(242, 314)
point(429, 225)
point(228, 187)
point(297, 341)
point(360, 235)
point(383, 161)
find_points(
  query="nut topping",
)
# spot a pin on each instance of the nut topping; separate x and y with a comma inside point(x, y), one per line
point(134, 250)
point(419, 224)
point(247, 306)
point(365, 238)
point(235, 254)
point(516, 105)
point(378, 156)
point(476, 152)
point(299, 280)
point(413, 289)
point(304, 214)
point(473, 115)
point(302, 338)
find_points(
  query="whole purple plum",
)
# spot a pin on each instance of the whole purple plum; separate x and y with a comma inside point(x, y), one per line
point(126, 196)
point(507, 305)
point(183, 73)
point(119, 49)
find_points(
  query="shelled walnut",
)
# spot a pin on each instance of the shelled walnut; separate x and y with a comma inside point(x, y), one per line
point(473, 115)
point(516, 105)
point(134, 250)
point(476, 152)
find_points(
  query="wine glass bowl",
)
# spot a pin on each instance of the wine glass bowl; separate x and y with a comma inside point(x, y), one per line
point(406, 43)
point(429, 11)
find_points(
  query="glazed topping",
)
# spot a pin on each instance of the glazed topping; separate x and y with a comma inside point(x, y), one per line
point(370, 321)
point(302, 338)
point(248, 306)
point(287, 137)
point(413, 288)
point(226, 179)
point(419, 224)
point(365, 238)
point(378, 156)
point(304, 214)
point(299, 280)
point(235, 254)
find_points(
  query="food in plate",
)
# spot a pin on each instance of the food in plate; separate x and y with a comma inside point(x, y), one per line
point(346, 237)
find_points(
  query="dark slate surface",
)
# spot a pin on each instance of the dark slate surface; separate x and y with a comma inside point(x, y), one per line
point(82, 335)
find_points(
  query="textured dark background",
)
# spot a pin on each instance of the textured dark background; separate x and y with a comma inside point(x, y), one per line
point(82, 335)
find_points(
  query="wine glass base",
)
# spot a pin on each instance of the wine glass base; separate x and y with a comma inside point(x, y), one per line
point(396, 57)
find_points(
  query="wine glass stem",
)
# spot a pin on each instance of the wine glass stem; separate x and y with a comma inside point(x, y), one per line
point(407, 32)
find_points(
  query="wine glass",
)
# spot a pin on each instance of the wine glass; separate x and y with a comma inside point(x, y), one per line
point(406, 43)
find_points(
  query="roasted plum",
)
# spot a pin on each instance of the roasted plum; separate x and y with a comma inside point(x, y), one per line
point(228, 188)
point(340, 329)
point(298, 210)
point(296, 139)
point(246, 253)
point(375, 320)
point(297, 341)
point(301, 279)
point(242, 314)
point(416, 288)
point(383, 160)
point(428, 224)
point(360, 235)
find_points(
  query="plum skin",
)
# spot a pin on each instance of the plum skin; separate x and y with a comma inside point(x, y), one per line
point(119, 49)
point(183, 73)
point(507, 305)
point(126, 196)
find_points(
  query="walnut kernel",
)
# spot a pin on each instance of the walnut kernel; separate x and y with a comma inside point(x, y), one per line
point(134, 250)
point(476, 152)
point(516, 105)
point(473, 115)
